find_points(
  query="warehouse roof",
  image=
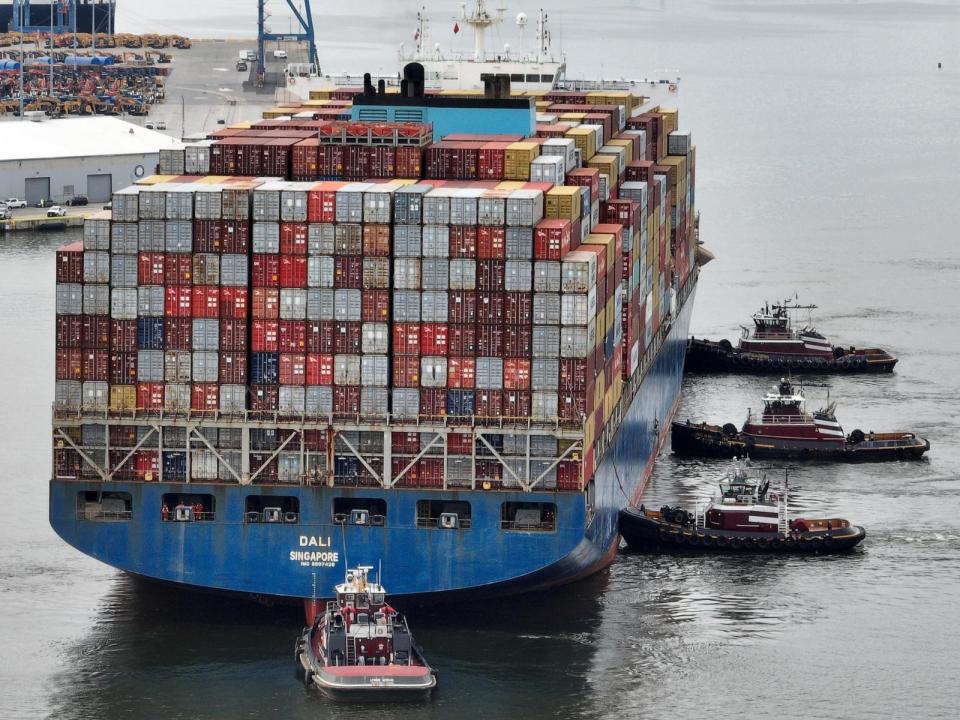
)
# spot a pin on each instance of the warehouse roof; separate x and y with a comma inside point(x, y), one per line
point(78, 137)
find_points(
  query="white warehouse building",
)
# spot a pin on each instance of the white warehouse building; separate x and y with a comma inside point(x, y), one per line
point(91, 156)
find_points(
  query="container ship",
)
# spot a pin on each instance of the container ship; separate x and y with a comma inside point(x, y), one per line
point(441, 330)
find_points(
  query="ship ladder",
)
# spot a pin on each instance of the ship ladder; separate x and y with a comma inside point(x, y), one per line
point(351, 651)
point(783, 525)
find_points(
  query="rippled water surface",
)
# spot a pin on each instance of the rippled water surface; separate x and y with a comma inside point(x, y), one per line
point(828, 156)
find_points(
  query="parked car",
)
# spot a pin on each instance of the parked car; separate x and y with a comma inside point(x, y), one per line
point(149, 125)
point(161, 125)
point(4, 213)
point(56, 211)
point(279, 54)
point(78, 200)
point(14, 203)
point(108, 206)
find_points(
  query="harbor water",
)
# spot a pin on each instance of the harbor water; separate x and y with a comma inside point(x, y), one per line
point(827, 155)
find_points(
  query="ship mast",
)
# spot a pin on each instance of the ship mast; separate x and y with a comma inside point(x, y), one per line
point(481, 19)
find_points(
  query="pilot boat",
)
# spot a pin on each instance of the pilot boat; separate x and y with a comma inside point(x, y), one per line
point(747, 517)
point(361, 649)
point(776, 346)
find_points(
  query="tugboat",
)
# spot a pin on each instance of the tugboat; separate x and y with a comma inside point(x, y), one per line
point(785, 430)
point(361, 649)
point(775, 346)
point(747, 518)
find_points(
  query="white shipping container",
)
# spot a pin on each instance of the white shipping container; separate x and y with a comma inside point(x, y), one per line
point(152, 236)
point(518, 276)
point(578, 308)
point(374, 401)
point(96, 299)
point(406, 273)
point(177, 366)
point(172, 161)
point(524, 208)
point(544, 406)
point(266, 202)
point(579, 272)
point(96, 234)
point(492, 208)
point(489, 373)
point(546, 341)
point(577, 341)
point(234, 270)
point(546, 276)
point(346, 369)
point(562, 147)
point(204, 465)
point(435, 241)
point(293, 304)
point(153, 204)
point(545, 374)
point(266, 237)
point(321, 271)
point(233, 398)
point(196, 159)
point(635, 190)
point(433, 372)
point(321, 238)
point(546, 308)
point(96, 396)
point(375, 338)
point(176, 397)
point(406, 241)
point(548, 168)
point(346, 307)
point(436, 207)
point(124, 238)
point(319, 400)
point(150, 366)
point(293, 203)
point(180, 203)
point(70, 299)
point(435, 274)
point(463, 274)
point(320, 304)
point(406, 402)
point(374, 371)
point(433, 307)
point(123, 271)
point(96, 267)
point(350, 202)
point(205, 334)
point(150, 301)
point(348, 239)
point(178, 236)
point(206, 366)
point(208, 202)
point(68, 394)
point(125, 205)
point(463, 206)
point(406, 306)
point(292, 399)
point(378, 205)
point(123, 300)
point(288, 467)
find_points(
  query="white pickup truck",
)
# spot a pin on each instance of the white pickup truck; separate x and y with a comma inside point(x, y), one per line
point(14, 203)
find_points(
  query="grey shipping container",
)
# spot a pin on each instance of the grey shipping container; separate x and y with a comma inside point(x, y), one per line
point(519, 245)
point(96, 234)
point(346, 370)
point(292, 399)
point(288, 467)
point(577, 342)
point(546, 276)
point(150, 366)
point(433, 372)
point(320, 271)
point(406, 241)
point(293, 304)
point(266, 203)
point(177, 366)
point(434, 307)
point(406, 402)
point(204, 465)
point(374, 370)
point(208, 203)
point(125, 205)
point(406, 306)
point(546, 341)
point(69, 299)
point(67, 393)
point(346, 307)
point(406, 273)
point(435, 274)
point(123, 271)
point(408, 203)
point(153, 204)
point(235, 204)
point(150, 301)
point(578, 308)
point(266, 237)
point(233, 398)
point(463, 274)
point(319, 400)
point(524, 208)
point(206, 334)
point(463, 209)
point(374, 401)
point(179, 236)
point(96, 300)
point(375, 338)
point(321, 238)
point(489, 373)
point(234, 270)
point(96, 267)
point(518, 276)
point(348, 239)
point(153, 236)
point(206, 269)
point(546, 308)
point(125, 238)
point(176, 396)
point(436, 208)
point(350, 203)
point(96, 396)
point(678, 143)
point(376, 273)
point(293, 205)
point(492, 210)
point(436, 241)
point(196, 159)
point(172, 161)
point(123, 300)
point(206, 366)
point(320, 304)
point(377, 206)
point(180, 204)
point(545, 375)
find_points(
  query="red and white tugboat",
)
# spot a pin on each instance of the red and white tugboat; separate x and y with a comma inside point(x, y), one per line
point(775, 346)
point(746, 518)
point(785, 430)
point(361, 649)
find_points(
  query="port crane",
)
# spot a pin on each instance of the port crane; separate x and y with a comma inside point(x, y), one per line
point(305, 33)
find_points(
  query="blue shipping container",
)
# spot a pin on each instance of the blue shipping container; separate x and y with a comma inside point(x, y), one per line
point(265, 368)
point(150, 333)
point(174, 466)
point(460, 402)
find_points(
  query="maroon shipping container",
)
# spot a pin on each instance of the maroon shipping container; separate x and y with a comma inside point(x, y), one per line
point(551, 239)
point(293, 369)
point(293, 271)
point(96, 365)
point(206, 301)
point(178, 268)
point(462, 339)
point(572, 405)
point(70, 263)
point(640, 171)
point(518, 308)
point(463, 241)
point(293, 238)
point(430, 470)
point(576, 374)
point(462, 306)
point(347, 335)
point(69, 364)
point(406, 371)
point(207, 236)
point(348, 273)
point(433, 403)
point(266, 303)
point(516, 403)
point(177, 333)
point(376, 240)
point(489, 340)
point(489, 404)
point(292, 336)
point(568, 475)
point(452, 161)
point(518, 340)
point(177, 301)
point(491, 243)
point(264, 398)
point(205, 397)
point(150, 396)
point(491, 275)
point(123, 335)
point(320, 336)
point(236, 236)
point(491, 158)
point(265, 271)
point(586, 177)
point(95, 332)
point(319, 369)
point(233, 335)
point(69, 330)
point(123, 436)
point(123, 369)
point(304, 160)
point(375, 306)
point(265, 336)
point(346, 401)
point(406, 339)
point(490, 305)
point(405, 443)
point(150, 269)
point(233, 302)
point(276, 156)
point(409, 164)
point(433, 339)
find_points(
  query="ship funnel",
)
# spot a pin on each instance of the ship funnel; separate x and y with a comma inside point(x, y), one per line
point(381, 86)
point(367, 85)
point(414, 74)
point(496, 86)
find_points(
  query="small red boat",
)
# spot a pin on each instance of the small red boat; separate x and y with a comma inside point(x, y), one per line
point(361, 649)
point(785, 430)
point(775, 346)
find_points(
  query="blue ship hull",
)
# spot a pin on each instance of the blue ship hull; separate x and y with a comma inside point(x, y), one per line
point(290, 560)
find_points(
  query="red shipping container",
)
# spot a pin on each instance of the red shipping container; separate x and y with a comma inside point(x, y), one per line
point(589, 177)
point(491, 158)
point(293, 238)
point(639, 170)
point(489, 404)
point(233, 335)
point(376, 240)
point(462, 372)
point(150, 268)
point(123, 335)
point(516, 403)
point(95, 365)
point(178, 333)
point(491, 243)
point(206, 301)
point(304, 160)
point(69, 364)
point(236, 236)
point(178, 301)
point(409, 162)
point(516, 373)
point(264, 398)
point(233, 368)
point(430, 472)
point(322, 202)
point(433, 402)
point(70, 329)
point(463, 241)
point(489, 340)
point(405, 443)
point(375, 306)
point(95, 331)
point(551, 239)
point(207, 236)
point(150, 396)
point(568, 475)
point(233, 302)
point(319, 369)
point(205, 397)
point(123, 369)
point(433, 338)
point(292, 336)
point(518, 340)
point(490, 275)
point(178, 268)
point(406, 338)
point(347, 338)
point(574, 406)
point(70, 263)
point(576, 374)
point(266, 303)
point(265, 270)
point(462, 306)
point(265, 336)
point(462, 339)
point(490, 305)
point(406, 371)
point(293, 271)
point(320, 336)
point(348, 273)
point(346, 401)
point(146, 464)
point(452, 161)
point(518, 308)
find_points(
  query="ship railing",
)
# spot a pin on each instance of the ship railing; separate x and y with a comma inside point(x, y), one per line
point(434, 522)
point(780, 419)
point(521, 525)
point(105, 515)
